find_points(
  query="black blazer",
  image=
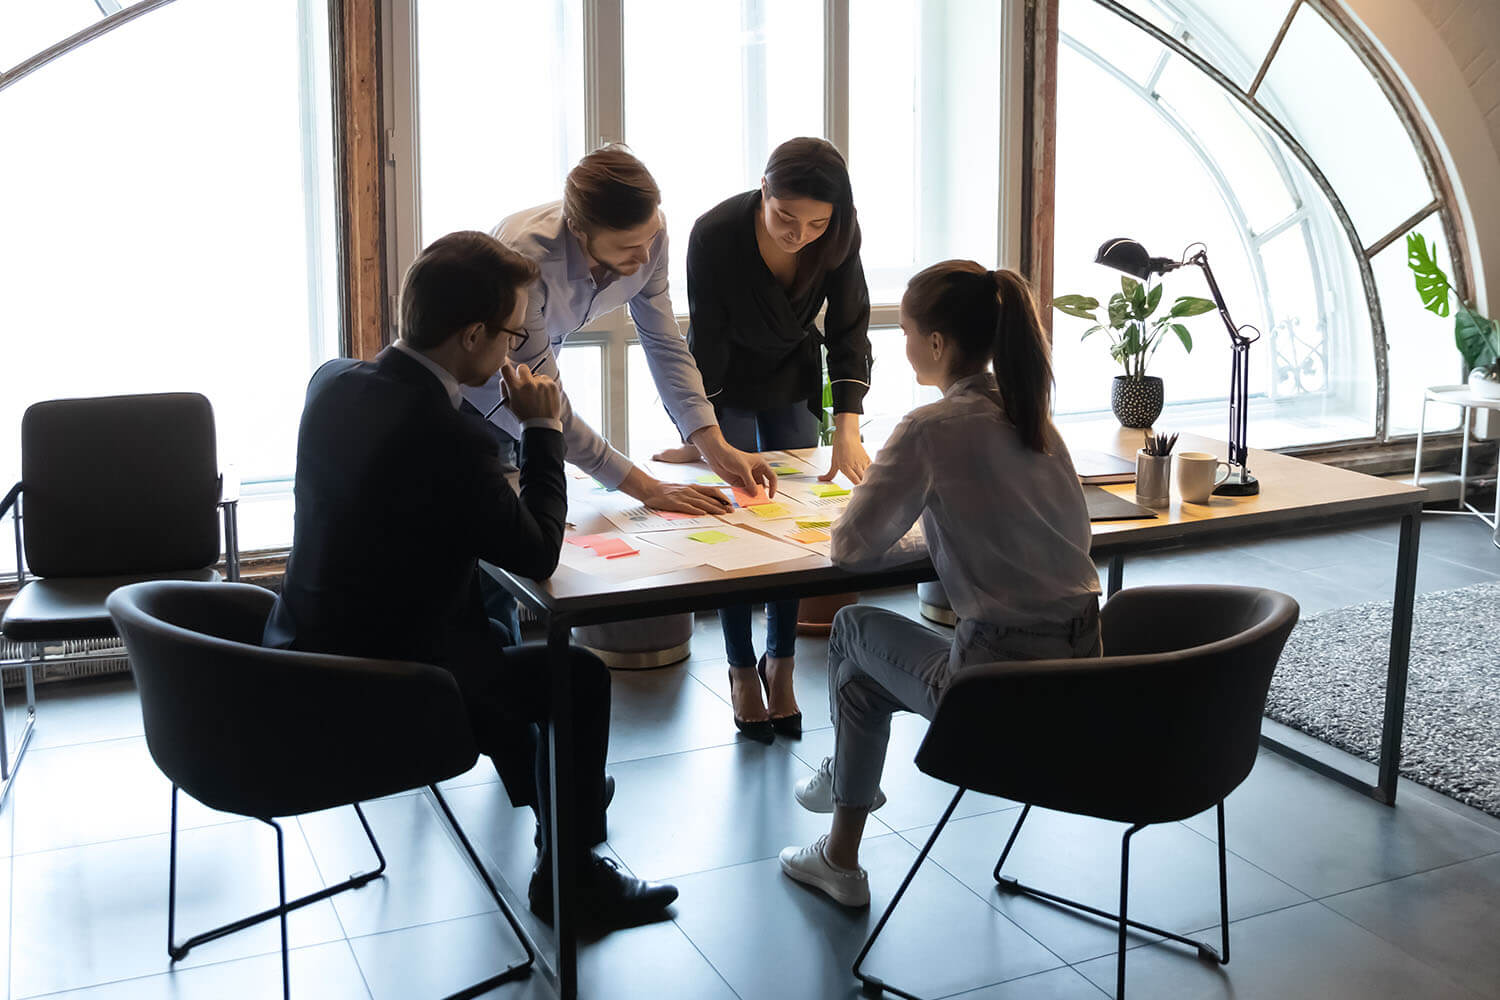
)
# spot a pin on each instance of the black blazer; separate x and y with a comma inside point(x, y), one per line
point(397, 495)
point(756, 344)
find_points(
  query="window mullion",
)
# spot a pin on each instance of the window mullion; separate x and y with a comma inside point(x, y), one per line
point(836, 73)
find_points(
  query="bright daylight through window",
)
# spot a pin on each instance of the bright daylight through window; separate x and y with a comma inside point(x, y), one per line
point(178, 233)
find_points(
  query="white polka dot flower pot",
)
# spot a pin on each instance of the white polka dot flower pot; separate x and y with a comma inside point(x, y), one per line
point(1137, 402)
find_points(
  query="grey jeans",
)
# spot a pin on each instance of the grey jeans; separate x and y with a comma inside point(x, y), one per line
point(880, 663)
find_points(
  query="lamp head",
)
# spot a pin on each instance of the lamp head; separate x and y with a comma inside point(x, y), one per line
point(1127, 255)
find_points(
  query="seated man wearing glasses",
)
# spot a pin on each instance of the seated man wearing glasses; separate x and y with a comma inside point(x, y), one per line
point(400, 490)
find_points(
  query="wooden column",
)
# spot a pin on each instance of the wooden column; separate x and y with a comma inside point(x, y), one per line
point(360, 157)
point(1039, 136)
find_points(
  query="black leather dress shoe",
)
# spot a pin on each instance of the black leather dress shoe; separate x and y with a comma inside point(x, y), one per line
point(607, 897)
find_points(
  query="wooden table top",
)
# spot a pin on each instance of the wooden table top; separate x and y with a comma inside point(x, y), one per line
point(1294, 492)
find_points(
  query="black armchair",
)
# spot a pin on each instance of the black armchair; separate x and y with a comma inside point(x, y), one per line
point(1165, 725)
point(115, 489)
point(271, 733)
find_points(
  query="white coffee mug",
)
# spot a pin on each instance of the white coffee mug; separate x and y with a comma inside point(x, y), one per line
point(1197, 475)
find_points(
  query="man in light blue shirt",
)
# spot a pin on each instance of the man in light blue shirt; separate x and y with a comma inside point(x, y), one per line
point(602, 247)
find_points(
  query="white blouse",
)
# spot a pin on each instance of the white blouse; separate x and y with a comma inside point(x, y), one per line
point(1007, 527)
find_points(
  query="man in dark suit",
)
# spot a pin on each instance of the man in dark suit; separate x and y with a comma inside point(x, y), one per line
point(399, 491)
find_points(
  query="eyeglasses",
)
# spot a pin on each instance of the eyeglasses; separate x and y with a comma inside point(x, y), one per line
point(518, 338)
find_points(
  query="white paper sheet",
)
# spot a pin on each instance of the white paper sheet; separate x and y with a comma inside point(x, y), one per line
point(640, 519)
point(743, 550)
point(651, 560)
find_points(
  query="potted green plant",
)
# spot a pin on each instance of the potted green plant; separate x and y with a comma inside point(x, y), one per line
point(1134, 339)
point(1478, 338)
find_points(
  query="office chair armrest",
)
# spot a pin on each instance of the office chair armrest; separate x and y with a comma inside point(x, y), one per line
point(11, 503)
point(229, 504)
point(10, 499)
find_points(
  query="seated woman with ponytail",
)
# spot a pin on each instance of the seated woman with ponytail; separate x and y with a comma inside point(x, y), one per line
point(1004, 520)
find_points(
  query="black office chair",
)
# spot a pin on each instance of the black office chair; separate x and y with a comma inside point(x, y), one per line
point(115, 489)
point(272, 733)
point(1162, 727)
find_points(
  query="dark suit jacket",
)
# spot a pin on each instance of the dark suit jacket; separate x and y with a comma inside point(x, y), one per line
point(397, 495)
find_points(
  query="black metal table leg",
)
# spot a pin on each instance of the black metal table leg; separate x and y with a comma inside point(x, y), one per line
point(1384, 790)
point(1396, 670)
point(564, 824)
point(1116, 575)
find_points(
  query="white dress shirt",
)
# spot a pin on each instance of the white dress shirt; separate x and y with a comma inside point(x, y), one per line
point(567, 298)
point(1006, 526)
point(455, 391)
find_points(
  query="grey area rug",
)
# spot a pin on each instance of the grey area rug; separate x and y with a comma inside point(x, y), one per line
point(1331, 685)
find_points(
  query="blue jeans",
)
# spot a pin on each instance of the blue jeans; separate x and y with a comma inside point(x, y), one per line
point(776, 429)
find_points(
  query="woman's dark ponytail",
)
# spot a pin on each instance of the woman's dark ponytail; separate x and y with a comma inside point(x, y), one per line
point(1023, 365)
point(992, 317)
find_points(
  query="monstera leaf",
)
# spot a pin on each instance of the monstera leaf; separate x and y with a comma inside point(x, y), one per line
point(1478, 339)
point(1432, 283)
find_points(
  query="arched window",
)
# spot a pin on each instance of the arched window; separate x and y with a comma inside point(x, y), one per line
point(1273, 134)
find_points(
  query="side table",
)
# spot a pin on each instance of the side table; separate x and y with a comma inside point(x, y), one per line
point(1465, 398)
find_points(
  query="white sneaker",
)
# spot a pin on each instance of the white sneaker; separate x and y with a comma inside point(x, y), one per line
point(815, 794)
point(810, 866)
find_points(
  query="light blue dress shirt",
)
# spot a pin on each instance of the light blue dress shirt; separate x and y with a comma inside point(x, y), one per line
point(566, 299)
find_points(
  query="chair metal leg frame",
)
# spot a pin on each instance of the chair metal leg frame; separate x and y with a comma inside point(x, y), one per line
point(872, 985)
point(10, 764)
point(1010, 884)
point(519, 969)
point(180, 951)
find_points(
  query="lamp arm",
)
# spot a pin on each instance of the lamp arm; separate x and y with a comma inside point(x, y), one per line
point(1201, 260)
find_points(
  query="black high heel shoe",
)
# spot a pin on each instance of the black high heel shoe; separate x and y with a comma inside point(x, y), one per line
point(786, 725)
point(759, 730)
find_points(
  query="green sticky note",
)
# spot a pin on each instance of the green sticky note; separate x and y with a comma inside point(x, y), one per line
point(710, 537)
point(710, 480)
point(830, 490)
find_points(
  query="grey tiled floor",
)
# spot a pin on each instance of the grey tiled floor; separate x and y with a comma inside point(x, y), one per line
point(1331, 894)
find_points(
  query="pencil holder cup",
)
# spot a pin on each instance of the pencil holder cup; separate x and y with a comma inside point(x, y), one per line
point(1153, 479)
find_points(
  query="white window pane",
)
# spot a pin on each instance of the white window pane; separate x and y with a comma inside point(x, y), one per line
point(165, 242)
point(894, 391)
point(29, 26)
point(1114, 39)
point(1335, 108)
point(1422, 352)
point(1235, 35)
point(582, 370)
point(1240, 147)
point(500, 106)
point(1323, 368)
point(710, 90)
point(924, 139)
point(651, 430)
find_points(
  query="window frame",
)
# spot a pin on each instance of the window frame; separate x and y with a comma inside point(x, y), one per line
point(604, 121)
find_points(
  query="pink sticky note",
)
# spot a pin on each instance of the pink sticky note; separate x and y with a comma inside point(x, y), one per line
point(672, 515)
point(746, 500)
point(612, 548)
point(584, 541)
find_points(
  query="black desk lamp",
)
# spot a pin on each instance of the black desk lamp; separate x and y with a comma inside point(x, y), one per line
point(1130, 257)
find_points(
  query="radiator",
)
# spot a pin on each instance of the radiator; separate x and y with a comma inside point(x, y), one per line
point(92, 658)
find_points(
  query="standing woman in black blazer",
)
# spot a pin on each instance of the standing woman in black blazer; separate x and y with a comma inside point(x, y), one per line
point(760, 267)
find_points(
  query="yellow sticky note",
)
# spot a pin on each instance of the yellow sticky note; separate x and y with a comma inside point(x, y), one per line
point(808, 535)
point(770, 511)
point(786, 470)
point(710, 537)
point(814, 522)
point(710, 480)
point(829, 490)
